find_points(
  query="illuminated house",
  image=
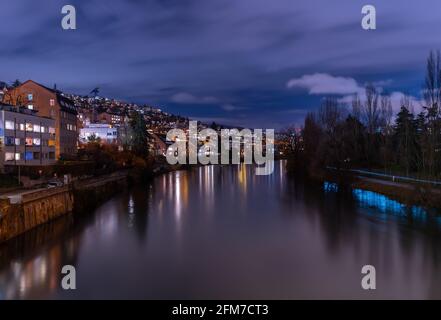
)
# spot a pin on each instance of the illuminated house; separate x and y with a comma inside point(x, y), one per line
point(49, 103)
point(25, 138)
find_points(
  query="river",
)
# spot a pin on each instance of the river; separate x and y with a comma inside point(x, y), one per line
point(221, 232)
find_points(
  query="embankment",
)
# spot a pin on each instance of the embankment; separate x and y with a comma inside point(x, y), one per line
point(22, 211)
point(409, 193)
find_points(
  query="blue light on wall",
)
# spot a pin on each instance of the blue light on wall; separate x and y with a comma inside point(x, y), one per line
point(330, 187)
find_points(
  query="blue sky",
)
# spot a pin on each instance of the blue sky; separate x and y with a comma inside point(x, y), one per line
point(253, 63)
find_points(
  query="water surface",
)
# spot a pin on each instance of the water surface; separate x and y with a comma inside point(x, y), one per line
point(221, 232)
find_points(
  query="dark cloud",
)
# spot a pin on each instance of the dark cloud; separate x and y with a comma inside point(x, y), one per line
point(229, 60)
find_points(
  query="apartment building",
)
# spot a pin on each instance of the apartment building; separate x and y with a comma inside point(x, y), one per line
point(25, 138)
point(50, 103)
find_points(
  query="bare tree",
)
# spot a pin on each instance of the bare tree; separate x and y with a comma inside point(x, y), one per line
point(371, 110)
point(356, 107)
point(406, 102)
point(432, 97)
point(386, 113)
point(432, 88)
point(329, 114)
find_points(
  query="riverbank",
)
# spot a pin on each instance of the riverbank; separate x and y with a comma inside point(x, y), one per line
point(21, 211)
point(410, 193)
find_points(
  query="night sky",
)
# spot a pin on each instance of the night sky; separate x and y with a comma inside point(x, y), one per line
point(255, 63)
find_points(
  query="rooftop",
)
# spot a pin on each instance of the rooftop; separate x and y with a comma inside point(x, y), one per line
point(20, 109)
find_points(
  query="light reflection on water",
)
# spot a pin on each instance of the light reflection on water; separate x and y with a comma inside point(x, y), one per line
point(221, 232)
point(385, 207)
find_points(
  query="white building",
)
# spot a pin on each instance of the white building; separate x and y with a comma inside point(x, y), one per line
point(106, 133)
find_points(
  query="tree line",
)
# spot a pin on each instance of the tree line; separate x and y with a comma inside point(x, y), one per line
point(367, 134)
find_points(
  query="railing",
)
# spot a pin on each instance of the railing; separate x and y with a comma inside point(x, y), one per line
point(388, 176)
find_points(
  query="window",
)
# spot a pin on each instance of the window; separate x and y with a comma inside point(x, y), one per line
point(17, 156)
point(36, 155)
point(51, 130)
point(30, 96)
point(52, 102)
point(29, 155)
point(43, 129)
point(9, 156)
point(22, 127)
point(36, 128)
point(29, 127)
point(30, 106)
point(9, 125)
point(17, 141)
point(29, 141)
point(51, 143)
point(51, 155)
point(9, 141)
point(52, 113)
point(36, 141)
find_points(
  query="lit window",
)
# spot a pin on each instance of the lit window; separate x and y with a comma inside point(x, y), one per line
point(17, 141)
point(43, 129)
point(30, 106)
point(29, 155)
point(36, 141)
point(9, 156)
point(30, 96)
point(17, 156)
point(51, 130)
point(9, 125)
point(29, 127)
point(29, 141)
point(22, 127)
point(36, 128)
point(52, 102)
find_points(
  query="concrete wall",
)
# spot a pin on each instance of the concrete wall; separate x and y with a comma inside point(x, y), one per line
point(21, 213)
point(24, 211)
